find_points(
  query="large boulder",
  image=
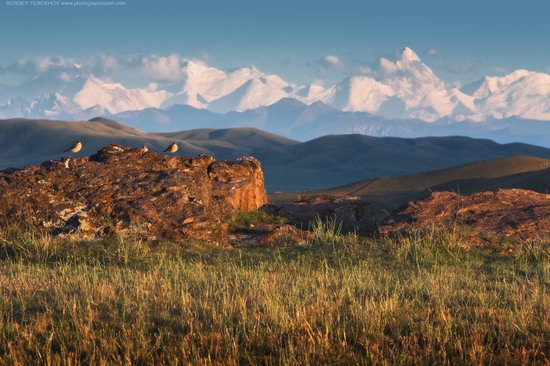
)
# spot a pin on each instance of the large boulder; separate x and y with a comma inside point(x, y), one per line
point(130, 191)
point(350, 213)
point(515, 214)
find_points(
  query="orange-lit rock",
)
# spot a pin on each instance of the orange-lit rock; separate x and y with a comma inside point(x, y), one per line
point(128, 191)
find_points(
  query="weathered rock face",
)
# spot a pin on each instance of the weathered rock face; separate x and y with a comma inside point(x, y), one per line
point(241, 182)
point(128, 191)
point(350, 212)
point(517, 214)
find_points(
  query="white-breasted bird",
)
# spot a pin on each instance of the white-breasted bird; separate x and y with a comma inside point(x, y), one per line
point(77, 146)
point(173, 148)
point(145, 148)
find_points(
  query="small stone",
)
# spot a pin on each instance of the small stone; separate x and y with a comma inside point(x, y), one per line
point(188, 220)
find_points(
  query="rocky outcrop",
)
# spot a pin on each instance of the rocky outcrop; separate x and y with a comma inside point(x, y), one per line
point(130, 191)
point(350, 212)
point(516, 214)
point(241, 182)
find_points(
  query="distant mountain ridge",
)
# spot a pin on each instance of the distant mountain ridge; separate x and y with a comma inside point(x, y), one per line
point(402, 88)
point(299, 121)
point(289, 165)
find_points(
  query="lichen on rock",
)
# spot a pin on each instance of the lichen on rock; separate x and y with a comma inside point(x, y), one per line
point(506, 214)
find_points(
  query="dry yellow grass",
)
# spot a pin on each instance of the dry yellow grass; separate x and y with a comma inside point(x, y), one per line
point(342, 300)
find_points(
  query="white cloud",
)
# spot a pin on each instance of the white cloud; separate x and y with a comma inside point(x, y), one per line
point(37, 65)
point(432, 52)
point(43, 63)
point(364, 70)
point(326, 63)
point(64, 68)
point(205, 57)
point(152, 87)
point(331, 61)
point(107, 63)
point(65, 76)
point(163, 68)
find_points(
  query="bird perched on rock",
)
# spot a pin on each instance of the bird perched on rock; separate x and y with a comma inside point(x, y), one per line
point(144, 148)
point(172, 148)
point(77, 146)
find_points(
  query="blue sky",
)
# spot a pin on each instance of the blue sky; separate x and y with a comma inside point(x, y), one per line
point(461, 40)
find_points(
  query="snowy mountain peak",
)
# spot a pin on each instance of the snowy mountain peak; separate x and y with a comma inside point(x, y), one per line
point(408, 55)
point(520, 93)
point(236, 90)
point(401, 87)
point(492, 84)
point(197, 70)
point(53, 105)
point(53, 98)
point(95, 82)
point(115, 98)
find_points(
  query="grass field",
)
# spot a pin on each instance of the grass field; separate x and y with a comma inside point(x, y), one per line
point(426, 299)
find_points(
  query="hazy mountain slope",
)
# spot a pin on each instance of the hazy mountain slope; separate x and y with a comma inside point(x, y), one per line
point(174, 118)
point(288, 165)
point(303, 122)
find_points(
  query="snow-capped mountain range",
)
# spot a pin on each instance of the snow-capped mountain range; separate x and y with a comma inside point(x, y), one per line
point(403, 88)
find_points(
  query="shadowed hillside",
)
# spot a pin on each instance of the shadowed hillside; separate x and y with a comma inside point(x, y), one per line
point(336, 160)
point(24, 141)
point(325, 162)
point(451, 177)
point(232, 143)
point(390, 192)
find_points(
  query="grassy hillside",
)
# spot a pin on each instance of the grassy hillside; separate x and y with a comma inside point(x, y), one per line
point(232, 143)
point(389, 193)
point(24, 142)
point(484, 169)
point(536, 181)
point(338, 300)
point(337, 160)
point(288, 165)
